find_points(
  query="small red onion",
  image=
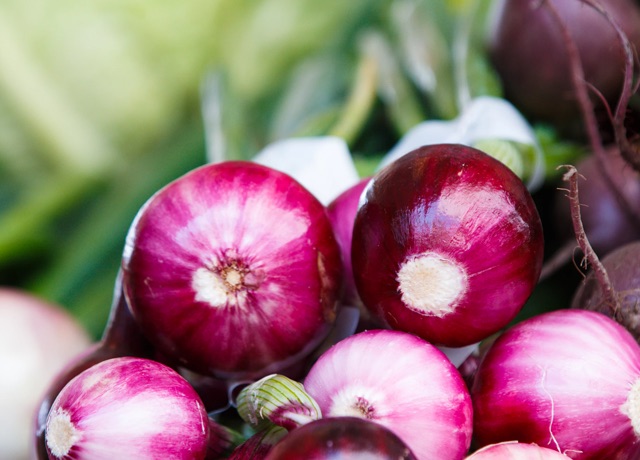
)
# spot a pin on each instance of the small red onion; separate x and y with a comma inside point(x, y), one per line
point(400, 381)
point(568, 380)
point(37, 339)
point(447, 244)
point(233, 270)
point(127, 408)
point(341, 438)
point(512, 450)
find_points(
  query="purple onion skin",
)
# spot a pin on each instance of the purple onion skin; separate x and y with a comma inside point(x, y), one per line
point(342, 213)
point(516, 451)
point(610, 199)
point(460, 204)
point(623, 268)
point(341, 438)
point(401, 382)
point(528, 51)
point(263, 240)
point(563, 380)
point(121, 337)
point(128, 408)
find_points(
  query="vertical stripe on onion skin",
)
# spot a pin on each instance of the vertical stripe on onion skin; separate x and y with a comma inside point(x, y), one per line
point(127, 408)
point(233, 270)
point(400, 381)
point(512, 450)
point(447, 245)
point(568, 380)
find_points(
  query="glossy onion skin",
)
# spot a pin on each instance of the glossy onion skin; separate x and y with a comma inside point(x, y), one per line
point(462, 203)
point(132, 408)
point(341, 438)
point(266, 222)
point(516, 451)
point(565, 373)
point(400, 381)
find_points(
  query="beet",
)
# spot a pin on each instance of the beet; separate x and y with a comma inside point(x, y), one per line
point(610, 199)
point(528, 50)
point(623, 268)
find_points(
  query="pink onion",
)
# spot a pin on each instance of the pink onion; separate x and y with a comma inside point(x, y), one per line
point(127, 408)
point(447, 245)
point(516, 451)
point(400, 381)
point(37, 339)
point(568, 380)
point(342, 213)
point(233, 270)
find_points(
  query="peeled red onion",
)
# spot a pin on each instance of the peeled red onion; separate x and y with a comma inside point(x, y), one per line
point(233, 270)
point(568, 380)
point(516, 451)
point(447, 244)
point(128, 408)
point(400, 381)
point(37, 339)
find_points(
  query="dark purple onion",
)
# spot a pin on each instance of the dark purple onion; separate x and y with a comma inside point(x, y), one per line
point(447, 245)
point(341, 438)
point(233, 270)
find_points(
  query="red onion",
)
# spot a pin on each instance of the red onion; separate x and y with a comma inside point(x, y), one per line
point(127, 408)
point(516, 451)
point(342, 213)
point(447, 245)
point(233, 270)
point(121, 337)
point(568, 380)
point(341, 438)
point(400, 381)
point(37, 339)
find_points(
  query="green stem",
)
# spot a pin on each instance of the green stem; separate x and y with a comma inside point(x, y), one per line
point(362, 97)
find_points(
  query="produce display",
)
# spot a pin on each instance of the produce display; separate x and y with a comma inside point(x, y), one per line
point(399, 229)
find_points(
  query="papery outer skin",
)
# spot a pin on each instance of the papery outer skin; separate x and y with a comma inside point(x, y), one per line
point(559, 380)
point(276, 227)
point(419, 394)
point(341, 438)
point(342, 213)
point(37, 340)
point(459, 202)
point(516, 451)
point(133, 408)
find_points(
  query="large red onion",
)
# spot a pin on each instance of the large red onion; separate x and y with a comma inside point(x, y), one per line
point(233, 270)
point(568, 380)
point(447, 244)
